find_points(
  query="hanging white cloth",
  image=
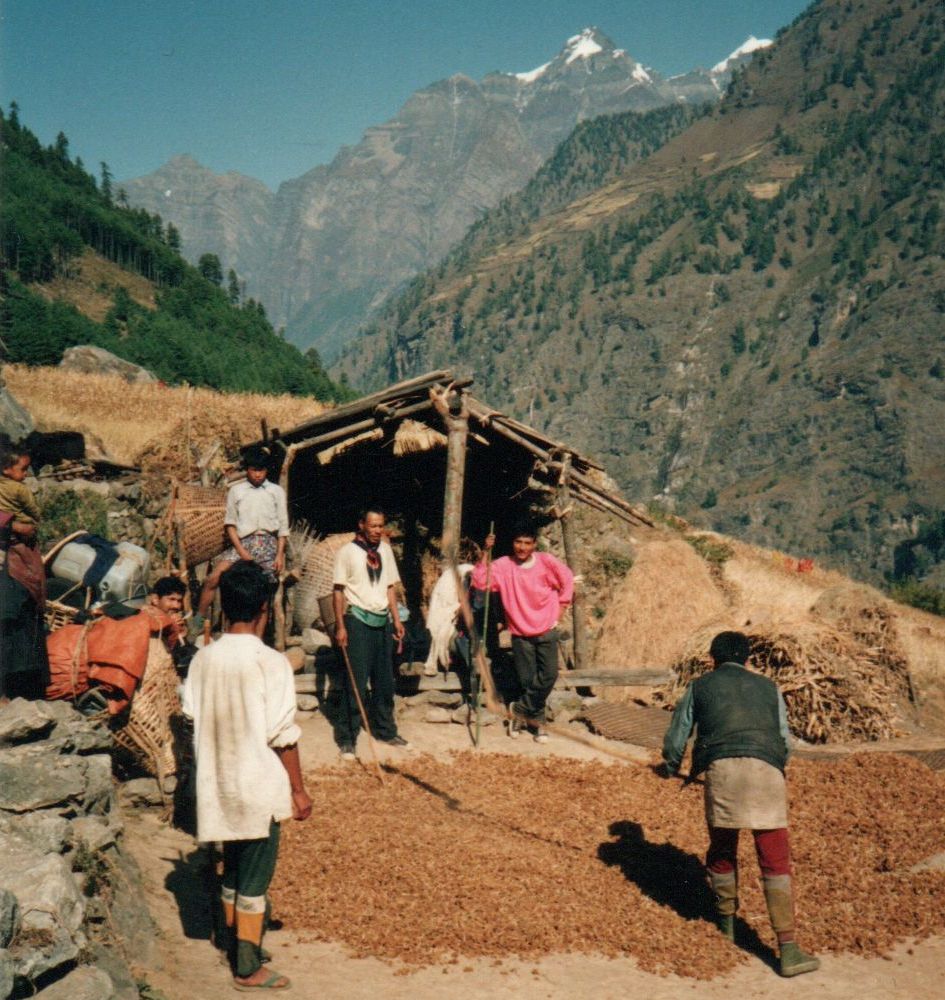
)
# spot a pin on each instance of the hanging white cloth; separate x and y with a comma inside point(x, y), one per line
point(441, 618)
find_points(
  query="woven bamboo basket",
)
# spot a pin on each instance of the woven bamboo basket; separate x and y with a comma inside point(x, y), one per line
point(57, 615)
point(147, 734)
point(198, 516)
point(315, 580)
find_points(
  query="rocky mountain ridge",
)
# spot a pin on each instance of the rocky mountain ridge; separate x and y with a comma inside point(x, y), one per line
point(324, 251)
point(746, 325)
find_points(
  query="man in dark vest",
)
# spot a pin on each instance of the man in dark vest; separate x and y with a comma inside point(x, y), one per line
point(742, 746)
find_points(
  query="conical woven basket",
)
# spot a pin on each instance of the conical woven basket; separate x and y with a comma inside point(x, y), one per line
point(147, 733)
point(316, 579)
point(198, 514)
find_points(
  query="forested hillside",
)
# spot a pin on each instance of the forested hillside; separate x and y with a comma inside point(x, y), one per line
point(52, 213)
point(747, 326)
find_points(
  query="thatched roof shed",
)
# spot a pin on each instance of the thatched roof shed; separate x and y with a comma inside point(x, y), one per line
point(390, 448)
point(441, 463)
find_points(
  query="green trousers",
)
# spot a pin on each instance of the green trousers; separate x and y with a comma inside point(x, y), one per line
point(248, 867)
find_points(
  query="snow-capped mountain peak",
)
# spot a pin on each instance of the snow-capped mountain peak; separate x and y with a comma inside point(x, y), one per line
point(582, 46)
point(751, 44)
point(586, 44)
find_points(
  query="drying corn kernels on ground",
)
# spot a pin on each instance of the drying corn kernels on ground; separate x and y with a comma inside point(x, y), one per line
point(499, 856)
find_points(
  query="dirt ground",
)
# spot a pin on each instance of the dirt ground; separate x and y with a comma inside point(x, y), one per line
point(189, 968)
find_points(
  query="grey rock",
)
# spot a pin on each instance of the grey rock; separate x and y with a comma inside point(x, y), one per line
point(123, 979)
point(129, 911)
point(28, 782)
point(446, 699)
point(7, 973)
point(45, 951)
point(44, 830)
point(77, 485)
point(15, 420)
point(462, 716)
point(140, 792)
point(313, 640)
point(564, 701)
point(98, 361)
point(99, 794)
point(9, 918)
point(437, 714)
point(83, 983)
point(306, 702)
point(93, 832)
point(22, 720)
point(44, 886)
point(83, 736)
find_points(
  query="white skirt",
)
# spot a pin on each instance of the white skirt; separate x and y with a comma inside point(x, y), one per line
point(745, 793)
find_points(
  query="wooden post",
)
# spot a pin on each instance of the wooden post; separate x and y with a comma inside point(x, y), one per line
point(452, 407)
point(574, 562)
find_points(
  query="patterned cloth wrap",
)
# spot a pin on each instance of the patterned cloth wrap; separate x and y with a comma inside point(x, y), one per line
point(262, 546)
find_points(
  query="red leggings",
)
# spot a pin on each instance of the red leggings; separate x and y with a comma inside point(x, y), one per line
point(774, 851)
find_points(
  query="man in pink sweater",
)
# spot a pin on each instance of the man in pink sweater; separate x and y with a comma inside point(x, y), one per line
point(535, 588)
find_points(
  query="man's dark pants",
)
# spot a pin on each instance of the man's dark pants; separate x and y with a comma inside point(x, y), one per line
point(536, 664)
point(371, 652)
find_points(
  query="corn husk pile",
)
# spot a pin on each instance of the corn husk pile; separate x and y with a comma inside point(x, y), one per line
point(491, 856)
point(844, 680)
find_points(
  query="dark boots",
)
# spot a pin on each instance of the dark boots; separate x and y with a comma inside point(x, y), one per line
point(780, 900)
point(725, 889)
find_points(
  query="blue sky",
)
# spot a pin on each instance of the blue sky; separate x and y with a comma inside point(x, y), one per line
point(271, 88)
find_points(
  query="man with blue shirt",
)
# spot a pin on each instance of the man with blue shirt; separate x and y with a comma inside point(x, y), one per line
point(742, 747)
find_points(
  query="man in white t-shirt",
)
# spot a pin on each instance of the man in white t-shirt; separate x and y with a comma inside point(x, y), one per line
point(366, 624)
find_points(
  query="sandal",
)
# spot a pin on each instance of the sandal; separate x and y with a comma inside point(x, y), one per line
point(274, 981)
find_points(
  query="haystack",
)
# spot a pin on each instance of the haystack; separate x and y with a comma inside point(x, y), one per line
point(668, 595)
point(844, 680)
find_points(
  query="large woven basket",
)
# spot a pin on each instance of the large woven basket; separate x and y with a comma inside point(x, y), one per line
point(315, 580)
point(198, 516)
point(147, 734)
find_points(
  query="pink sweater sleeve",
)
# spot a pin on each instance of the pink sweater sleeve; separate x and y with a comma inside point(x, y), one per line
point(479, 574)
point(564, 577)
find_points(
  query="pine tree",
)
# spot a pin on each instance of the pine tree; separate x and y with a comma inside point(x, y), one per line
point(209, 267)
point(106, 183)
point(233, 287)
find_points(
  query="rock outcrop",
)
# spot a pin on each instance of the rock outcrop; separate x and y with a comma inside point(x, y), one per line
point(69, 896)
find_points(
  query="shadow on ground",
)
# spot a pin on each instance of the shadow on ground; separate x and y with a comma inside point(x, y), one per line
point(674, 878)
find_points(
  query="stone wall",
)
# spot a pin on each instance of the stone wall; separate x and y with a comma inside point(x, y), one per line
point(70, 898)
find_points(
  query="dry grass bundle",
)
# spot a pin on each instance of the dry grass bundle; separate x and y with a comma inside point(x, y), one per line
point(413, 436)
point(552, 856)
point(668, 594)
point(841, 681)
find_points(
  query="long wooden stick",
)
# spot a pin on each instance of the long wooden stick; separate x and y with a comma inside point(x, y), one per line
point(485, 633)
point(364, 718)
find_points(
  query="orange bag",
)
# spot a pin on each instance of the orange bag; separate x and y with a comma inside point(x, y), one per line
point(111, 653)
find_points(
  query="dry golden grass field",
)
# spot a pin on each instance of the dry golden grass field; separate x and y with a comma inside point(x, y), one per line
point(127, 421)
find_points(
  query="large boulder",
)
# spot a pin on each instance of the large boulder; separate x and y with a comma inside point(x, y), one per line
point(22, 721)
point(82, 983)
point(15, 421)
point(98, 361)
point(45, 889)
point(44, 830)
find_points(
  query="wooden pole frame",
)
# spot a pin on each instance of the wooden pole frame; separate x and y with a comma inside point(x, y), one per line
point(573, 560)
